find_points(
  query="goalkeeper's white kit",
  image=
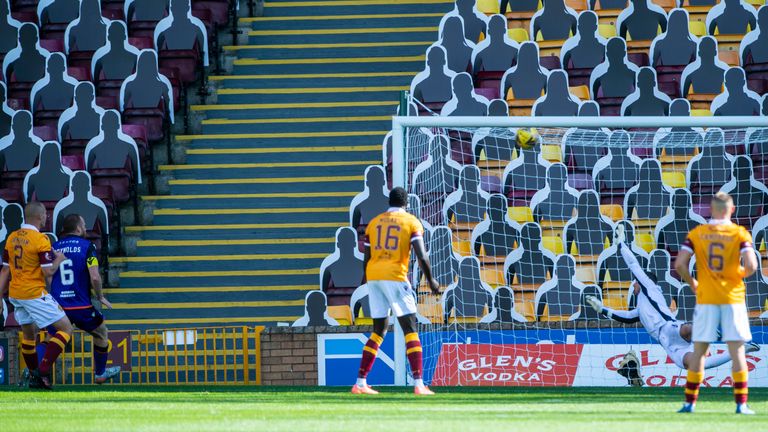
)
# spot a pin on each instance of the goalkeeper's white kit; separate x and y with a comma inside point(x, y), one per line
point(656, 317)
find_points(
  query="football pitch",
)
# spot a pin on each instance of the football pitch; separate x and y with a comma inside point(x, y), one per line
point(164, 408)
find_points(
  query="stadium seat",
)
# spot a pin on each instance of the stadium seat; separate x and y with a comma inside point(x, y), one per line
point(54, 17)
point(342, 314)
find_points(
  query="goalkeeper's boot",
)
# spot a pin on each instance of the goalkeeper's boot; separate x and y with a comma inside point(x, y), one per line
point(363, 390)
point(108, 374)
point(751, 347)
point(629, 368)
point(744, 409)
point(422, 391)
point(687, 408)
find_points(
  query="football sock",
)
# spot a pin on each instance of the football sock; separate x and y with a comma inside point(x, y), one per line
point(370, 350)
point(29, 353)
point(55, 347)
point(716, 360)
point(99, 359)
point(418, 383)
point(740, 391)
point(413, 351)
point(692, 386)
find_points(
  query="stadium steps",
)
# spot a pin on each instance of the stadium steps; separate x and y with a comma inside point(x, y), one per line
point(240, 232)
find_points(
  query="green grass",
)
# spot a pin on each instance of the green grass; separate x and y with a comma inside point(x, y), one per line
point(160, 408)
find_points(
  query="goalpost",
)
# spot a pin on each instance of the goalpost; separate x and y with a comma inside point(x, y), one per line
point(519, 237)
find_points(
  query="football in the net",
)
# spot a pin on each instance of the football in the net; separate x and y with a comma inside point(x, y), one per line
point(527, 138)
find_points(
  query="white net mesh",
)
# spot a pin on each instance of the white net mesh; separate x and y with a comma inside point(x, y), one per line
point(519, 238)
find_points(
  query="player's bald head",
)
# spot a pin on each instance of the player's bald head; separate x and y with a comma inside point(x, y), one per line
point(34, 211)
point(721, 205)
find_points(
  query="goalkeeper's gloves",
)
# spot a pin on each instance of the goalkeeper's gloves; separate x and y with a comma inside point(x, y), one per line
point(595, 303)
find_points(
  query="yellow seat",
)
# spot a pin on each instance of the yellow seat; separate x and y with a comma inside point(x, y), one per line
point(667, 5)
point(577, 5)
point(552, 153)
point(581, 92)
point(488, 7)
point(614, 301)
point(697, 28)
point(463, 248)
point(701, 113)
point(606, 30)
point(430, 309)
point(729, 57)
point(342, 314)
point(521, 214)
point(613, 211)
point(364, 321)
point(519, 35)
point(645, 240)
point(674, 179)
point(526, 309)
point(553, 243)
point(493, 275)
point(756, 3)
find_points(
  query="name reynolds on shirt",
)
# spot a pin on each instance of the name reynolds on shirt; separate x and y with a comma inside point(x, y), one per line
point(69, 249)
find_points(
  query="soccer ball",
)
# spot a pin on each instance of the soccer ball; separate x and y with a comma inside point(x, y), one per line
point(527, 138)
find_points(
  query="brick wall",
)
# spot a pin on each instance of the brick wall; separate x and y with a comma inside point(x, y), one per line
point(289, 354)
point(13, 356)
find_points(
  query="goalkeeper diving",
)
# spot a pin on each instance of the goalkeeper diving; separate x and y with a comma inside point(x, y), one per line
point(658, 320)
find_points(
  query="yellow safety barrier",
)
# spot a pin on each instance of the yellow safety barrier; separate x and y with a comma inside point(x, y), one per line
point(208, 355)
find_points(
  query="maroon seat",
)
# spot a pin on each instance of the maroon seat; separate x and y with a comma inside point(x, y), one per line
point(113, 13)
point(490, 184)
point(219, 10)
point(139, 135)
point(46, 132)
point(153, 120)
point(25, 5)
point(13, 180)
point(580, 181)
point(25, 16)
point(81, 59)
point(80, 73)
point(73, 162)
point(578, 76)
point(53, 31)
point(186, 61)
point(47, 117)
point(18, 103)
point(550, 62)
point(206, 17)
point(143, 29)
point(490, 80)
point(142, 42)
point(53, 44)
point(107, 102)
point(640, 59)
point(12, 195)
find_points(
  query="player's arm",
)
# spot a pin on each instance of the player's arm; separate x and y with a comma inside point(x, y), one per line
point(637, 270)
point(748, 259)
point(421, 256)
point(682, 262)
point(92, 262)
point(49, 263)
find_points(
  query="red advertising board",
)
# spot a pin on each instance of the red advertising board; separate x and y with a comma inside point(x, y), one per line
point(507, 365)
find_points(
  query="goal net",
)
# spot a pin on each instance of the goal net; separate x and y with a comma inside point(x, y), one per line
point(520, 237)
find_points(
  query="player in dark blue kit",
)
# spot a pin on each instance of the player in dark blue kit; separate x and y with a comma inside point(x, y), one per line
point(71, 287)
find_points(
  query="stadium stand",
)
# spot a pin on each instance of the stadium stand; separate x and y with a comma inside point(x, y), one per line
point(285, 152)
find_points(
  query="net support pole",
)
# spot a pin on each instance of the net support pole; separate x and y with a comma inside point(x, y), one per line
point(398, 152)
point(399, 179)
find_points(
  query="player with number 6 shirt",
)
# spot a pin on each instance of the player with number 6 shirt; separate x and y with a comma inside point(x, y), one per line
point(71, 287)
point(724, 257)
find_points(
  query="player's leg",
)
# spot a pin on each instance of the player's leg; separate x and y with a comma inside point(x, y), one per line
point(56, 346)
point(706, 320)
point(379, 304)
point(414, 353)
point(100, 351)
point(735, 324)
point(370, 350)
